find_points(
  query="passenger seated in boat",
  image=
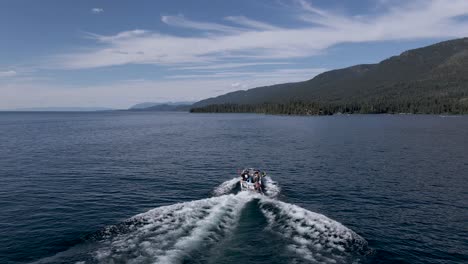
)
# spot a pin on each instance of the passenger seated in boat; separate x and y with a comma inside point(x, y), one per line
point(244, 176)
point(256, 180)
point(258, 186)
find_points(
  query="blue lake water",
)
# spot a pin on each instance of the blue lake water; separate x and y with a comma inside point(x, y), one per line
point(120, 187)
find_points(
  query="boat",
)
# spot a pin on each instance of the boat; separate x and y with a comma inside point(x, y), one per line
point(251, 180)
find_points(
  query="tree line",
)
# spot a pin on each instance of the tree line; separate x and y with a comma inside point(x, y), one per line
point(380, 106)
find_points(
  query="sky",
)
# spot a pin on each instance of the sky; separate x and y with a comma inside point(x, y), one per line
point(65, 53)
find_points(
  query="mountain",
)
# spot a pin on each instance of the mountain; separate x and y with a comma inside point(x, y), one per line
point(142, 105)
point(169, 106)
point(432, 79)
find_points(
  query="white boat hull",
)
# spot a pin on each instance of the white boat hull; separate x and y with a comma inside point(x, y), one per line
point(246, 186)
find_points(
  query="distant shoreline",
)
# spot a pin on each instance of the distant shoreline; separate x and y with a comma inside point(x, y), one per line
point(342, 114)
point(250, 113)
point(324, 109)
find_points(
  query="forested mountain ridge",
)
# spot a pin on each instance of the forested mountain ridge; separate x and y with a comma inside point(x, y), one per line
point(432, 79)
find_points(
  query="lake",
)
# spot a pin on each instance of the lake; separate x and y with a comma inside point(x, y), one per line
point(148, 187)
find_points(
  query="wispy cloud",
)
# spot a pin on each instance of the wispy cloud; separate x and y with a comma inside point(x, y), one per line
point(292, 74)
point(125, 35)
point(181, 21)
point(250, 23)
point(97, 10)
point(255, 40)
point(218, 66)
point(9, 73)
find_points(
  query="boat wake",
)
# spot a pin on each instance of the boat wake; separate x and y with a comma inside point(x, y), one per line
point(312, 236)
point(226, 187)
point(272, 188)
point(194, 232)
point(173, 233)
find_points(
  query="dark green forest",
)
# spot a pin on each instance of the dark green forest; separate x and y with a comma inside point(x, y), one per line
point(423, 106)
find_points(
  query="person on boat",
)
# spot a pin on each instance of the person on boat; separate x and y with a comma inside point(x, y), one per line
point(244, 176)
point(257, 181)
point(256, 176)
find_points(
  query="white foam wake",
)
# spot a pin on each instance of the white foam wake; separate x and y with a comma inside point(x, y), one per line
point(311, 236)
point(272, 188)
point(173, 233)
point(192, 231)
point(226, 187)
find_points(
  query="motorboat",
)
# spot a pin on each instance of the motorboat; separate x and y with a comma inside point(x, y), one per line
point(251, 180)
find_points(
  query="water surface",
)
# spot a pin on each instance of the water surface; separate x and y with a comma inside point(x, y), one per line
point(97, 187)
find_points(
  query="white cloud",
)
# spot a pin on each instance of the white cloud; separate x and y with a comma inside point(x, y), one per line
point(9, 73)
point(217, 66)
point(261, 41)
point(244, 21)
point(118, 37)
point(181, 21)
point(97, 10)
point(283, 74)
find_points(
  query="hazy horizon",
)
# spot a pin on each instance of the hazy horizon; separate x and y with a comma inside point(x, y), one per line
point(92, 108)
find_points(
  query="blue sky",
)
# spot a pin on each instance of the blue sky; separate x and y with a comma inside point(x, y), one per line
point(119, 53)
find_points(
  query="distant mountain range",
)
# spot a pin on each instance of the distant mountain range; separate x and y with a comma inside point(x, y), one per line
point(168, 106)
point(433, 79)
point(142, 105)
